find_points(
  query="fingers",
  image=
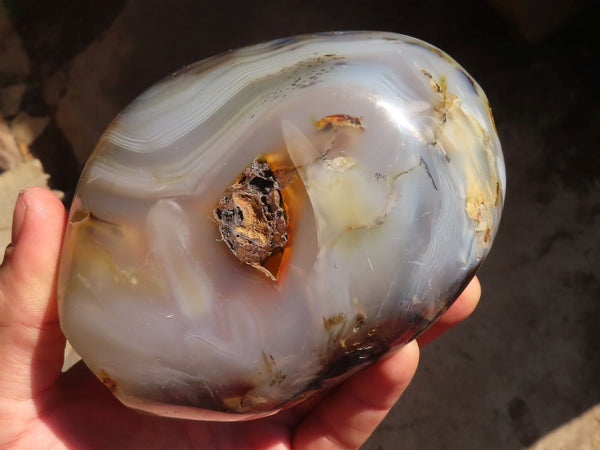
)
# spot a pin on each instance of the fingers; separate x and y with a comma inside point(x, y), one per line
point(349, 415)
point(346, 418)
point(463, 306)
point(29, 329)
point(28, 273)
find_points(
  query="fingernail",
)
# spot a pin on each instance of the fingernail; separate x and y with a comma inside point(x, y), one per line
point(18, 217)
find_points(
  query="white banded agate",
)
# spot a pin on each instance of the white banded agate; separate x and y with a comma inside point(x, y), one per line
point(392, 182)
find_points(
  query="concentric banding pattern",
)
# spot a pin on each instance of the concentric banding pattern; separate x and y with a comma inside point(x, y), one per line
point(392, 220)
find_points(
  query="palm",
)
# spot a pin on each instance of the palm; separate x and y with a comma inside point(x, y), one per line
point(42, 408)
point(80, 413)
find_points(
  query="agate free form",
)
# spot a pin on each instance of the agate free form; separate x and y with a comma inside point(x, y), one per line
point(266, 222)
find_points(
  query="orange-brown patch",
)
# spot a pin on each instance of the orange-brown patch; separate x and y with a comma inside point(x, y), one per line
point(339, 120)
point(108, 382)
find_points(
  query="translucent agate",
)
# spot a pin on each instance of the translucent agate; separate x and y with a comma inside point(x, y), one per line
point(388, 172)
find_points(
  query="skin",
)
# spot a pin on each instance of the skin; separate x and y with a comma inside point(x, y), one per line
point(42, 408)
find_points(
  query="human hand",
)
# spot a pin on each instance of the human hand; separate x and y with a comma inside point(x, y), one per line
point(42, 408)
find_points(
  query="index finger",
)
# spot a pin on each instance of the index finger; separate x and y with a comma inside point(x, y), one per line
point(463, 307)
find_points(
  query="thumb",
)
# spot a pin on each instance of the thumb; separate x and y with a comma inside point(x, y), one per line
point(30, 336)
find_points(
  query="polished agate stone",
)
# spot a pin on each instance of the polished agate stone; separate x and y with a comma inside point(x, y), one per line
point(266, 222)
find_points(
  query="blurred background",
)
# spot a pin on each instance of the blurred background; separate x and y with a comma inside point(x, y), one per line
point(524, 370)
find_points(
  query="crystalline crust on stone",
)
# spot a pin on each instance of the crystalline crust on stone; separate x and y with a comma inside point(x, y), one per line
point(389, 173)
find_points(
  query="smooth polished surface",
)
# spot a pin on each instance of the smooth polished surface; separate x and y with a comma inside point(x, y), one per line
point(387, 221)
